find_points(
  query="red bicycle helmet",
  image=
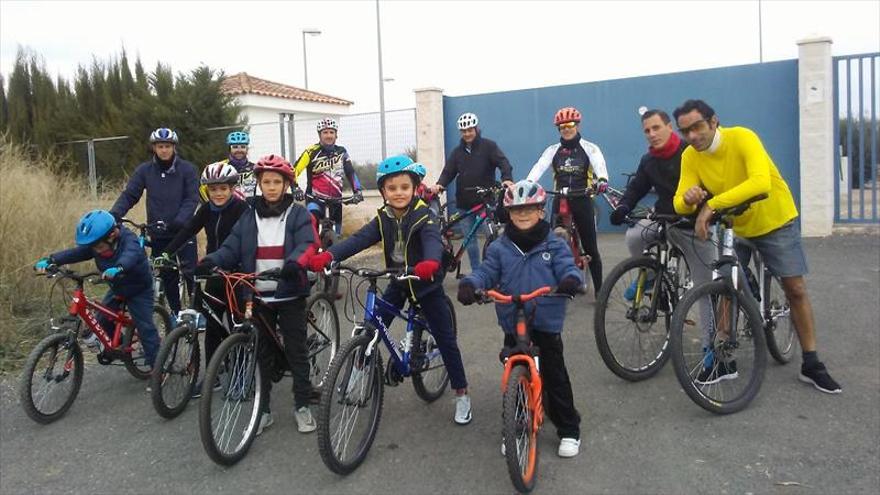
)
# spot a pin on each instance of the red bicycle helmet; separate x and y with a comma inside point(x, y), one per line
point(567, 114)
point(275, 163)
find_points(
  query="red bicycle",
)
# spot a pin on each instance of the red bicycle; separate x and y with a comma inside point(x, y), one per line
point(54, 369)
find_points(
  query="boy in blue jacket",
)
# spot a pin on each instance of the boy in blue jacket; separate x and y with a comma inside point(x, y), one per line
point(172, 186)
point(529, 256)
point(276, 234)
point(410, 238)
point(123, 262)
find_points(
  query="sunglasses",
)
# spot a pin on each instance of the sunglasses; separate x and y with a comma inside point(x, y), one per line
point(239, 146)
point(698, 126)
point(568, 125)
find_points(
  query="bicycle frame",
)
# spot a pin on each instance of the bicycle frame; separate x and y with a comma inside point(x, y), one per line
point(400, 356)
point(80, 306)
point(481, 211)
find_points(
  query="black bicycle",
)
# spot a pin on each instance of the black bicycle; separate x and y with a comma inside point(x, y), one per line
point(483, 213)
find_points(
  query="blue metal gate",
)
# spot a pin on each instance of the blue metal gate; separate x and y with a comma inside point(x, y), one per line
point(857, 137)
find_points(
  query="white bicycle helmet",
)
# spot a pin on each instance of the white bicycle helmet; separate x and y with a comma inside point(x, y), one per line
point(163, 135)
point(523, 193)
point(467, 120)
point(327, 123)
point(219, 173)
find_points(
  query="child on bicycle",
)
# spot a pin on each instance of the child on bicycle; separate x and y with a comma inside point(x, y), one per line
point(276, 234)
point(529, 256)
point(123, 262)
point(216, 217)
point(410, 238)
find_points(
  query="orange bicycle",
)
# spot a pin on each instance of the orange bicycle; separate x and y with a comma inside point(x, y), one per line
point(523, 409)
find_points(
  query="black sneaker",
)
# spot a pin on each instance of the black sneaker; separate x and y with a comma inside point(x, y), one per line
point(724, 371)
point(819, 377)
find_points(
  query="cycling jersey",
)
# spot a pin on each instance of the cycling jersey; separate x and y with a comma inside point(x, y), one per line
point(325, 168)
point(576, 167)
point(247, 182)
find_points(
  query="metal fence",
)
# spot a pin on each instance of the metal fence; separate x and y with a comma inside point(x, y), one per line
point(106, 161)
point(857, 136)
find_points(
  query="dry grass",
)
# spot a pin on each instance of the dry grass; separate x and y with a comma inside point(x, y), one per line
point(39, 208)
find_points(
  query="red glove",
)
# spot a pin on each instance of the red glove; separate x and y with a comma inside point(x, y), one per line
point(601, 186)
point(425, 270)
point(319, 261)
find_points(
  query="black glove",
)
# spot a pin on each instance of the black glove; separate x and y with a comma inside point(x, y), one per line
point(298, 194)
point(205, 268)
point(570, 286)
point(358, 197)
point(467, 294)
point(618, 216)
point(291, 270)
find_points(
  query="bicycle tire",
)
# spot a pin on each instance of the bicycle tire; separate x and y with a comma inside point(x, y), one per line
point(185, 365)
point(429, 345)
point(520, 437)
point(242, 372)
point(53, 343)
point(350, 360)
point(319, 336)
point(718, 402)
point(135, 362)
point(778, 326)
point(646, 364)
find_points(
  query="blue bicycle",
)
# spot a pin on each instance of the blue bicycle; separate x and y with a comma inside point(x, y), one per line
point(483, 213)
point(352, 391)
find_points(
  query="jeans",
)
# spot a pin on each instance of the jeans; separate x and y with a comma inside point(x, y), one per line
point(639, 236)
point(433, 304)
point(700, 256)
point(473, 247)
point(140, 307)
point(170, 279)
point(558, 398)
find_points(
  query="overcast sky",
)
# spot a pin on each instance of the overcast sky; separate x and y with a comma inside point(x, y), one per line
point(464, 47)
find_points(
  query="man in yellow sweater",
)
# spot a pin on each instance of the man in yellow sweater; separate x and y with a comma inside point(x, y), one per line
point(731, 165)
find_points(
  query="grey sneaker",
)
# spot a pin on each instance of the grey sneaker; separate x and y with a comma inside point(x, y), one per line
point(265, 422)
point(305, 423)
point(463, 409)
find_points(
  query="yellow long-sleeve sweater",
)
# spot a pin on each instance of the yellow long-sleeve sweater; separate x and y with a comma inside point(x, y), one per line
point(738, 169)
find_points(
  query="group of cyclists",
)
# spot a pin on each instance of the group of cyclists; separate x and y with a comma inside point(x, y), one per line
point(254, 222)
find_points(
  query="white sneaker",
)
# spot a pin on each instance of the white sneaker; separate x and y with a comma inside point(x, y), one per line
point(463, 409)
point(305, 423)
point(503, 448)
point(568, 447)
point(265, 422)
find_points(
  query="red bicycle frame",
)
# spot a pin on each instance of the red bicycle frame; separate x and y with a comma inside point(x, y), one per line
point(581, 259)
point(80, 306)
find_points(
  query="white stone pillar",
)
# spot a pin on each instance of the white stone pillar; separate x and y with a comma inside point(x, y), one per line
point(816, 108)
point(431, 148)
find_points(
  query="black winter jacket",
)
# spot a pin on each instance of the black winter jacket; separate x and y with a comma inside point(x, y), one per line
point(474, 167)
point(662, 175)
point(217, 225)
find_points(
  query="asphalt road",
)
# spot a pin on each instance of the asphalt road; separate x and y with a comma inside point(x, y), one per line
point(643, 437)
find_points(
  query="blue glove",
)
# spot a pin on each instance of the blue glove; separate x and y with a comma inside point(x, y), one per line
point(111, 273)
point(43, 263)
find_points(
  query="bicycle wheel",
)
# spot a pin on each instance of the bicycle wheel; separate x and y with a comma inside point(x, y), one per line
point(228, 418)
point(520, 435)
point(322, 336)
point(719, 356)
point(778, 327)
point(430, 377)
point(351, 405)
point(633, 339)
point(178, 360)
point(51, 377)
point(136, 361)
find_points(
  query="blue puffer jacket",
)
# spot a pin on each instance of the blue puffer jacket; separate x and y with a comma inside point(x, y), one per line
point(510, 271)
point(172, 194)
point(136, 275)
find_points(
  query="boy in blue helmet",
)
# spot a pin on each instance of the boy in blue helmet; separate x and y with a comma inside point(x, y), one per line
point(409, 235)
point(123, 262)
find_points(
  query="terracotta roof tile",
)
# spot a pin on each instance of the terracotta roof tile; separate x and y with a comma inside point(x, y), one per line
point(244, 84)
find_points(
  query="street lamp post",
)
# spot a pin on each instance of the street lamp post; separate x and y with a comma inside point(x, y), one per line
point(311, 32)
point(381, 83)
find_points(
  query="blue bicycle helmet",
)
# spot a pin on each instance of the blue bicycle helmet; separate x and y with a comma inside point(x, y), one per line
point(163, 135)
point(93, 227)
point(419, 170)
point(237, 137)
point(394, 165)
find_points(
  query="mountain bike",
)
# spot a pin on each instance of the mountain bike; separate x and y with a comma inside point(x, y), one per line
point(522, 403)
point(636, 303)
point(53, 372)
point(145, 232)
point(352, 392)
point(483, 213)
point(328, 236)
point(720, 363)
point(229, 415)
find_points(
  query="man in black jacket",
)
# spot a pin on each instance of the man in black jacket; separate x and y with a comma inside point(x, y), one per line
point(472, 163)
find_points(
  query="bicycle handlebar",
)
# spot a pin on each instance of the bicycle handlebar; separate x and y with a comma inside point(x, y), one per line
point(58, 271)
point(737, 209)
point(158, 226)
point(573, 193)
point(395, 273)
point(498, 297)
point(344, 200)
